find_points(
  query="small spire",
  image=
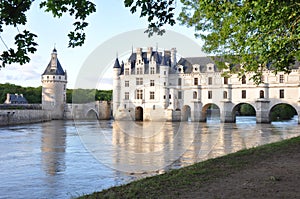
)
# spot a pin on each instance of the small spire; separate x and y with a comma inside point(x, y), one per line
point(156, 46)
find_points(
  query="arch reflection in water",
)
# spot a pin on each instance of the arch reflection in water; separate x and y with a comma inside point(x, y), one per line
point(143, 147)
point(53, 146)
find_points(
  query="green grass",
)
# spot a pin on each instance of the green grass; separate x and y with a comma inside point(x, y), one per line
point(175, 182)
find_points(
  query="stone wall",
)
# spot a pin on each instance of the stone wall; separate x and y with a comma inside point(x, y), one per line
point(14, 117)
point(100, 110)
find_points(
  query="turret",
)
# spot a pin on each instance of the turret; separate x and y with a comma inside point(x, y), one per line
point(54, 81)
point(116, 86)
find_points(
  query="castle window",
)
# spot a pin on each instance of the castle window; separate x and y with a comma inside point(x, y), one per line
point(165, 72)
point(244, 94)
point(139, 71)
point(139, 94)
point(124, 106)
point(170, 96)
point(139, 81)
point(281, 78)
point(151, 82)
point(126, 83)
point(47, 77)
point(244, 79)
point(59, 77)
point(209, 94)
point(152, 70)
point(164, 96)
point(195, 81)
point(261, 94)
point(179, 95)
point(152, 96)
point(64, 87)
point(153, 107)
point(224, 94)
point(126, 71)
point(126, 95)
point(210, 81)
point(195, 95)
point(281, 93)
point(179, 81)
point(165, 83)
point(225, 80)
point(53, 77)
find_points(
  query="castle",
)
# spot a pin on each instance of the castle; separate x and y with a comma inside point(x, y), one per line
point(54, 82)
point(154, 86)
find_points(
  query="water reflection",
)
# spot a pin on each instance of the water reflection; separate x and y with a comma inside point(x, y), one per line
point(147, 147)
point(50, 160)
point(53, 147)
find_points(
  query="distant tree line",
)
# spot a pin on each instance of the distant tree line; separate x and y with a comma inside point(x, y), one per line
point(88, 95)
point(34, 94)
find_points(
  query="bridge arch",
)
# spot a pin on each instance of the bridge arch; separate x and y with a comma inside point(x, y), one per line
point(243, 109)
point(210, 111)
point(276, 113)
point(139, 113)
point(92, 114)
point(186, 113)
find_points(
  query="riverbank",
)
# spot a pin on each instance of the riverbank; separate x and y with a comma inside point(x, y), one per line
point(269, 171)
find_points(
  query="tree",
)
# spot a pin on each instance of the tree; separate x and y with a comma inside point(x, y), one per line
point(13, 13)
point(258, 34)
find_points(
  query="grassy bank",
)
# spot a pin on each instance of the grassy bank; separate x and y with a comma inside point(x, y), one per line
point(238, 167)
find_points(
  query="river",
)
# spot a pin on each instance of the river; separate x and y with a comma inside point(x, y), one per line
point(64, 159)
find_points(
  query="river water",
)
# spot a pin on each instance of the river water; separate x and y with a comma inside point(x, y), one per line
point(65, 159)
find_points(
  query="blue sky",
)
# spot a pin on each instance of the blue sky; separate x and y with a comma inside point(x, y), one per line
point(110, 20)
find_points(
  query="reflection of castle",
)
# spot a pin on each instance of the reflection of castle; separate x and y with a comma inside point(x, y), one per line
point(53, 147)
point(152, 85)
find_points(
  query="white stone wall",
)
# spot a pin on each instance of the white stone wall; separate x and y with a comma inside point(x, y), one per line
point(166, 104)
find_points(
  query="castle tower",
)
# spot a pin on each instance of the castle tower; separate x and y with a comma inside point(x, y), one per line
point(116, 86)
point(54, 82)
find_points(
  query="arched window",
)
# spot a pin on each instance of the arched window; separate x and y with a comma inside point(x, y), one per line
point(179, 81)
point(261, 94)
point(195, 95)
point(244, 79)
point(224, 94)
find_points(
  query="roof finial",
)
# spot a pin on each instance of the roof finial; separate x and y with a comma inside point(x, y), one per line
point(156, 46)
point(117, 55)
point(54, 49)
point(132, 48)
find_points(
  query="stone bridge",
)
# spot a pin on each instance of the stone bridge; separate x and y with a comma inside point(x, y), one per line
point(100, 110)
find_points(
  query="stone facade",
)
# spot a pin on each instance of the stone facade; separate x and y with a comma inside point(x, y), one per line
point(153, 86)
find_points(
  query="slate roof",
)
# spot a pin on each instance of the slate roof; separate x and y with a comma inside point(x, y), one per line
point(117, 64)
point(188, 63)
point(58, 71)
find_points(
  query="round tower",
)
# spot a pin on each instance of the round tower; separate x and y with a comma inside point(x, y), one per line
point(116, 87)
point(54, 82)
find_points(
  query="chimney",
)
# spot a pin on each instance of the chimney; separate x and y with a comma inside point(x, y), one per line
point(149, 52)
point(173, 57)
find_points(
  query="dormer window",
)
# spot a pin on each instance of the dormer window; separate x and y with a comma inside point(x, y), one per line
point(180, 69)
point(196, 68)
point(139, 71)
point(210, 67)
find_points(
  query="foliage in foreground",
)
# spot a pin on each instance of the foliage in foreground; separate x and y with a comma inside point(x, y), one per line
point(257, 34)
point(176, 182)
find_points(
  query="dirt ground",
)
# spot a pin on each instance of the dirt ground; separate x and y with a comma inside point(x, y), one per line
point(277, 176)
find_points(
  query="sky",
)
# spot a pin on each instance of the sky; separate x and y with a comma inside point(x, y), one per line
point(113, 31)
